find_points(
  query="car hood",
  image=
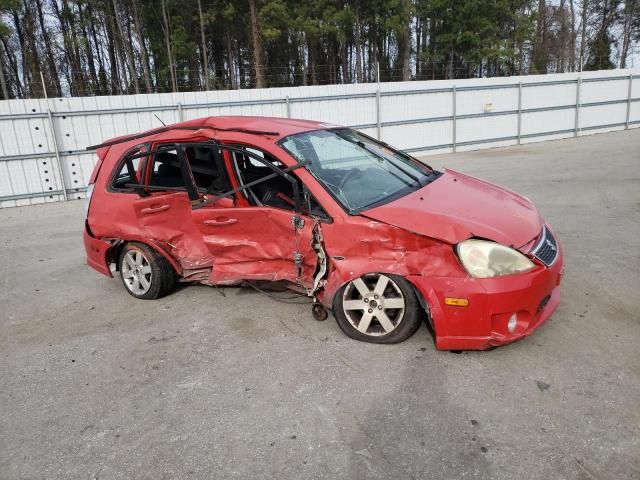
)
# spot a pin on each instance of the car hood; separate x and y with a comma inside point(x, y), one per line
point(456, 207)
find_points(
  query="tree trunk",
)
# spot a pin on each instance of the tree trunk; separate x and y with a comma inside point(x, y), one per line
point(630, 12)
point(30, 53)
point(312, 62)
point(256, 42)
point(205, 57)
point(166, 31)
point(358, 41)
point(127, 49)
point(72, 54)
point(88, 49)
point(344, 55)
point(541, 49)
point(102, 74)
point(13, 64)
point(583, 32)
point(303, 59)
point(116, 85)
point(572, 42)
point(406, 47)
point(231, 62)
point(146, 70)
point(3, 78)
point(25, 72)
point(54, 80)
point(118, 63)
point(75, 52)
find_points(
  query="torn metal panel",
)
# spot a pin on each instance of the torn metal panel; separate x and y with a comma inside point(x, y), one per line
point(375, 246)
point(256, 243)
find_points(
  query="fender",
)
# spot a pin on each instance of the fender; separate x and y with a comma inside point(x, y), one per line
point(115, 249)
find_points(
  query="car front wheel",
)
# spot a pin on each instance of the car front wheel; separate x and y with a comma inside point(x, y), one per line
point(144, 272)
point(377, 308)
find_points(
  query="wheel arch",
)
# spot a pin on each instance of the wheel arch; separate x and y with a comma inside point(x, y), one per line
point(114, 252)
point(426, 300)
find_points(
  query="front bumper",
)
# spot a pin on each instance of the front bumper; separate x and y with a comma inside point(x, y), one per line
point(482, 324)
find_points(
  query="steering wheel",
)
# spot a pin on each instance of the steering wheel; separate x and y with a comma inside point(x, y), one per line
point(351, 173)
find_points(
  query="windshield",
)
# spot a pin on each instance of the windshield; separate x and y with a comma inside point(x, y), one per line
point(359, 171)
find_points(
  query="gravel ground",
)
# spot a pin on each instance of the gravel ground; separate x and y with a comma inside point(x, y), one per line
point(227, 383)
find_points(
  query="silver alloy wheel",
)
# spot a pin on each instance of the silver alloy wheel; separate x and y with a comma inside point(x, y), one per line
point(373, 304)
point(136, 272)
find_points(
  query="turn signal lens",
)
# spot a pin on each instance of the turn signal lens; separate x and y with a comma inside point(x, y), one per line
point(512, 323)
point(456, 302)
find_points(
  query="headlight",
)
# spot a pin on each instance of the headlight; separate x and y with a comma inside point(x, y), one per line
point(87, 199)
point(483, 259)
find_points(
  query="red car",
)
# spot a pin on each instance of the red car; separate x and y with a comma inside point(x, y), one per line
point(369, 232)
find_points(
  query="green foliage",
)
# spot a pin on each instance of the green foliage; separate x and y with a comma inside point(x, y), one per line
point(303, 41)
point(600, 53)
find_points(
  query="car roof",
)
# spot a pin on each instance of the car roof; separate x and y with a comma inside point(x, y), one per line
point(275, 127)
point(283, 126)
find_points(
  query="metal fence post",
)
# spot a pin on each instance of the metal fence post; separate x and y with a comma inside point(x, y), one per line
point(629, 100)
point(378, 119)
point(286, 99)
point(180, 114)
point(55, 140)
point(453, 108)
point(57, 152)
point(519, 111)
point(577, 119)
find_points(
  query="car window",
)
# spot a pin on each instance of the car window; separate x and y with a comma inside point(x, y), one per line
point(275, 192)
point(206, 170)
point(165, 169)
point(357, 170)
point(128, 170)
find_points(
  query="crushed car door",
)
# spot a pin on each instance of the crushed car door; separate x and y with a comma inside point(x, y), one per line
point(267, 240)
point(163, 209)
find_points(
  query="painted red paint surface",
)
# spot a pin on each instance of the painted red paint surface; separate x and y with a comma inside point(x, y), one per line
point(413, 235)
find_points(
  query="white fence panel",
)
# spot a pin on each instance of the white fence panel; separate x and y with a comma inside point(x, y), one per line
point(420, 117)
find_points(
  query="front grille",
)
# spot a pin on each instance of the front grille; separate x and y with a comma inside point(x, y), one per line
point(546, 250)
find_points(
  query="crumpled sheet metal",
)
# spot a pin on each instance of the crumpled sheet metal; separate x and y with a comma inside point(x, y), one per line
point(176, 233)
point(260, 246)
point(391, 249)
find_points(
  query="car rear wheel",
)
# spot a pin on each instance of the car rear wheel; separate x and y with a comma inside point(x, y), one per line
point(144, 272)
point(378, 308)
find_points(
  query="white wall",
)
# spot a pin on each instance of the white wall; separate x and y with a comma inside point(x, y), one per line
point(422, 117)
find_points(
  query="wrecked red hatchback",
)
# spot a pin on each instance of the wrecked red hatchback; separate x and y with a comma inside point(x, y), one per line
point(369, 232)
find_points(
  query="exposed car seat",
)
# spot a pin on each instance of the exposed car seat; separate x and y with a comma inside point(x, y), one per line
point(168, 172)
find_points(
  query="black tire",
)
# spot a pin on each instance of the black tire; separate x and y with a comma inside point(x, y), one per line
point(403, 328)
point(160, 278)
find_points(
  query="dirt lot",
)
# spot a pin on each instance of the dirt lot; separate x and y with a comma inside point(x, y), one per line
point(231, 384)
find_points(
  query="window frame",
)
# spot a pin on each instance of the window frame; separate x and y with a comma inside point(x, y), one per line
point(127, 156)
point(193, 191)
point(338, 201)
point(303, 192)
point(242, 149)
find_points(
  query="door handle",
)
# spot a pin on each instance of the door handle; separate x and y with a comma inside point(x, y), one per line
point(155, 209)
point(221, 221)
